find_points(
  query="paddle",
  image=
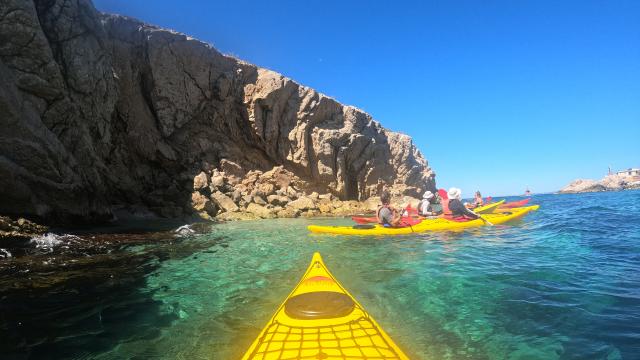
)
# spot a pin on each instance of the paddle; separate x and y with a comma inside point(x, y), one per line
point(485, 220)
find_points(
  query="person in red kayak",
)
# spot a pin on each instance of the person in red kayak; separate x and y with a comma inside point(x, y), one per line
point(429, 206)
point(387, 215)
point(456, 208)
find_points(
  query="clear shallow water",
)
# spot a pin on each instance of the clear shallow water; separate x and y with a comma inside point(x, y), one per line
point(564, 283)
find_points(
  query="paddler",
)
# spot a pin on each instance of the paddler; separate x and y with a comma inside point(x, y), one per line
point(456, 208)
point(387, 215)
point(430, 205)
point(477, 201)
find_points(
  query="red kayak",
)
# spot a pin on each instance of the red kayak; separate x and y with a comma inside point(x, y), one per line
point(515, 204)
point(407, 221)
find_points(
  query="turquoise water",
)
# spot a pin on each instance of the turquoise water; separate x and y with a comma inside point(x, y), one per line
point(563, 283)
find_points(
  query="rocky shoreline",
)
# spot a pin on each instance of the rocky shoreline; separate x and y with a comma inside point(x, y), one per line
point(608, 183)
point(232, 194)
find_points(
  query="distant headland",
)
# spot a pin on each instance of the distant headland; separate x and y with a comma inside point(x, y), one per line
point(613, 181)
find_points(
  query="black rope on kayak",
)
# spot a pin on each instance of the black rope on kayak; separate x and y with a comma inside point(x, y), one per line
point(365, 337)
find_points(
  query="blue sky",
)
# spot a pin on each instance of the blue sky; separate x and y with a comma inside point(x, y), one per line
point(498, 95)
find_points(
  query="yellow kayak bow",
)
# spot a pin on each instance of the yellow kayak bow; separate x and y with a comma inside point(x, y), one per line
point(321, 320)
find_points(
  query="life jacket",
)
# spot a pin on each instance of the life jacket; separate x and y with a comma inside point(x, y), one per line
point(447, 214)
point(378, 213)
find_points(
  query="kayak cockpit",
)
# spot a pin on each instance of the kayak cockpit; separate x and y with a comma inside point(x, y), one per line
point(319, 305)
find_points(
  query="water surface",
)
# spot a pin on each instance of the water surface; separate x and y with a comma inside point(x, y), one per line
point(563, 283)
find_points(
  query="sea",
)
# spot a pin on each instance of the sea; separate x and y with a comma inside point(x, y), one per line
point(562, 283)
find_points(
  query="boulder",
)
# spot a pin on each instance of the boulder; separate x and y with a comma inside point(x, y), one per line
point(201, 203)
point(288, 213)
point(217, 181)
point(258, 199)
point(372, 203)
point(292, 192)
point(232, 169)
point(260, 211)
point(325, 208)
point(267, 189)
point(277, 200)
point(246, 199)
point(200, 181)
point(310, 213)
point(236, 195)
point(302, 203)
point(224, 202)
point(239, 215)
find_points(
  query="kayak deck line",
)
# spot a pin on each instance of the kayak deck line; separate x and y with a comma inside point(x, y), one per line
point(307, 327)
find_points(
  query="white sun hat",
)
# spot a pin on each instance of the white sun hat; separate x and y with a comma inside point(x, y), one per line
point(428, 195)
point(454, 193)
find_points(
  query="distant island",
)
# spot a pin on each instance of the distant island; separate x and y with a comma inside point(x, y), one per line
point(621, 180)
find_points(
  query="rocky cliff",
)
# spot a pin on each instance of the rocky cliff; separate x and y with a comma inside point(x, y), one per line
point(102, 112)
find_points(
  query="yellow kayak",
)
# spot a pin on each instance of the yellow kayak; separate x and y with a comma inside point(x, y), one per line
point(321, 320)
point(487, 209)
point(425, 225)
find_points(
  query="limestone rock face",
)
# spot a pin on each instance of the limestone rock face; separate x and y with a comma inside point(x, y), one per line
point(102, 111)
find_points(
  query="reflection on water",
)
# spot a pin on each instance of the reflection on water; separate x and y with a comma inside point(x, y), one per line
point(561, 283)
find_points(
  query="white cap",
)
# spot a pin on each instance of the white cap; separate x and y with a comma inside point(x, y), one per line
point(428, 195)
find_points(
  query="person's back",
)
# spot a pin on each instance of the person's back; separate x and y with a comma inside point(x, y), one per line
point(386, 214)
point(424, 208)
point(456, 207)
point(429, 206)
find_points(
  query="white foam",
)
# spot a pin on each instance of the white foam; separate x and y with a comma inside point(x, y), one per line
point(4, 253)
point(49, 240)
point(184, 230)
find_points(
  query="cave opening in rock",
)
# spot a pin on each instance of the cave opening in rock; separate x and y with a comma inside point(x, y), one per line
point(351, 186)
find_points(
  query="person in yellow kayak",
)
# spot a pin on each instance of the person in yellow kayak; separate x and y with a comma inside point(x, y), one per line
point(387, 215)
point(430, 205)
point(477, 201)
point(456, 208)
